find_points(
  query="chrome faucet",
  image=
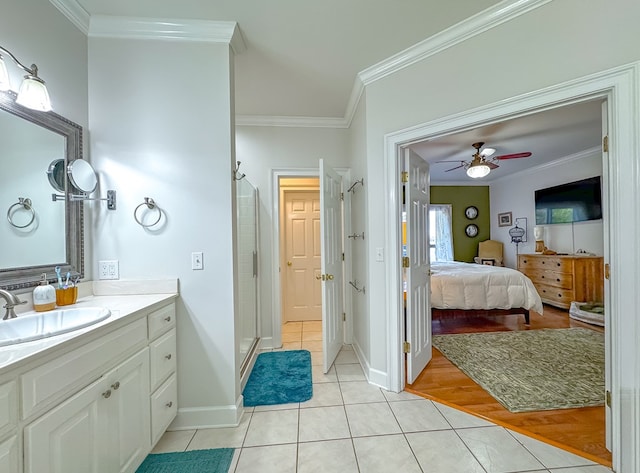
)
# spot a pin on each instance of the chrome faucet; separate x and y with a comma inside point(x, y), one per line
point(12, 301)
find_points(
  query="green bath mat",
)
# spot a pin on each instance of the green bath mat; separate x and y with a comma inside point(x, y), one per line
point(216, 460)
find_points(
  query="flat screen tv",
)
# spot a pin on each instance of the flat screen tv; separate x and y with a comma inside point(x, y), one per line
point(572, 202)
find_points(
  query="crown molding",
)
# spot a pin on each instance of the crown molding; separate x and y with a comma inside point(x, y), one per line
point(74, 12)
point(294, 122)
point(103, 26)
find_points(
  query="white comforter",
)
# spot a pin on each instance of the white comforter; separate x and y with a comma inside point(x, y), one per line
point(456, 285)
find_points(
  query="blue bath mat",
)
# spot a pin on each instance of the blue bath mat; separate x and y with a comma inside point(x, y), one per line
point(279, 377)
point(216, 460)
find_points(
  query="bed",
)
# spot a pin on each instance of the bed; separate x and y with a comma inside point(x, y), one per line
point(478, 289)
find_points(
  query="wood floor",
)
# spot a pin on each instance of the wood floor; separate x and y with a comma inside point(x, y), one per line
point(580, 431)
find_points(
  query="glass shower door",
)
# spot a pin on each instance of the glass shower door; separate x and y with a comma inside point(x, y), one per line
point(247, 235)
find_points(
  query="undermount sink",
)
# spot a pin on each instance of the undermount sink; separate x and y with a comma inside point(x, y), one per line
point(37, 325)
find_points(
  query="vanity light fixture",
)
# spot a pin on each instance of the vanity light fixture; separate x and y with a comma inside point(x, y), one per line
point(33, 92)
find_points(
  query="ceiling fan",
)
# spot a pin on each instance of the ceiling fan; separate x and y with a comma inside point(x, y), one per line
point(480, 166)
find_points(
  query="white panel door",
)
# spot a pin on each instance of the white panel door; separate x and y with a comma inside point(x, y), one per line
point(302, 291)
point(331, 264)
point(418, 305)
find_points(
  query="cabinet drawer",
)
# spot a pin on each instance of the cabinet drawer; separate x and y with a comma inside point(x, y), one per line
point(551, 278)
point(8, 407)
point(162, 320)
point(557, 296)
point(163, 358)
point(71, 371)
point(549, 263)
point(164, 406)
point(9, 455)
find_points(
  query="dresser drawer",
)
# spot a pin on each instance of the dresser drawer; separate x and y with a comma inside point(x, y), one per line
point(555, 295)
point(549, 263)
point(163, 358)
point(76, 369)
point(8, 407)
point(161, 320)
point(551, 278)
point(164, 406)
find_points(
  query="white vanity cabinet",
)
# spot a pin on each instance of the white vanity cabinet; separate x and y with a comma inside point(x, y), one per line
point(95, 406)
point(103, 428)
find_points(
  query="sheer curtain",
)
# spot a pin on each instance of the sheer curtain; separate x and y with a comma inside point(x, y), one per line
point(440, 238)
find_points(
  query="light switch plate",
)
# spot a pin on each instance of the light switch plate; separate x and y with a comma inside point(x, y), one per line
point(196, 260)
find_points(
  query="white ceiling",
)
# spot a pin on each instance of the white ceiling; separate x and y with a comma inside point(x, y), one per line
point(303, 58)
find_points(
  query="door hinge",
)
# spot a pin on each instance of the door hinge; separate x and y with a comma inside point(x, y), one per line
point(607, 398)
point(342, 256)
point(605, 144)
point(405, 176)
point(607, 271)
point(344, 317)
point(406, 347)
point(405, 262)
point(341, 195)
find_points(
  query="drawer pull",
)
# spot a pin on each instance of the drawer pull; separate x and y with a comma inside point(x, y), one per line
point(169, 404)
point(558, 264)
point(558, 280)
point(106, 394)
point(168, 318)
point(115, 385)
point(542, 277)
point(168, 357)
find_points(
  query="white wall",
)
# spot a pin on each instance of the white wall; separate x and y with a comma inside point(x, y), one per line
point(515, 194)
point(161, 118)
point(262, 150)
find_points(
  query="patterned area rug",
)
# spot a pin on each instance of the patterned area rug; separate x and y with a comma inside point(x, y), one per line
point(215, 460)
point(532, 370)
point(279, 377)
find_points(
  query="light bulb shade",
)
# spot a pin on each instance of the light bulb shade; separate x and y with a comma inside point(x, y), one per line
point(4, 76)
point(33, 94)
point(478, 170)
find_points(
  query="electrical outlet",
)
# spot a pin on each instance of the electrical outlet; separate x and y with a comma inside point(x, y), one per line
point(108, 270)
point(196, 260)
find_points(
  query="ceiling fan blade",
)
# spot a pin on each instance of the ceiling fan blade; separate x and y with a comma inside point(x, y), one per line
point(454, 161)
point(491, 165)
point(513, 156)
point(457, 167)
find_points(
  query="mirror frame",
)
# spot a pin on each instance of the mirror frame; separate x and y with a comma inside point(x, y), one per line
point(29, 276)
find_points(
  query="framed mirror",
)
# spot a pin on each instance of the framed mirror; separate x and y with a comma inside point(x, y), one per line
point(37, 149)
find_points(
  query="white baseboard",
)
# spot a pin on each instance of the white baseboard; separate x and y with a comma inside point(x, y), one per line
point(189, 418)
point(376, 377)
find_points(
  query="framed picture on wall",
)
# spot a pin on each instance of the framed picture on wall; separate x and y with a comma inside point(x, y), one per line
point(504, 219)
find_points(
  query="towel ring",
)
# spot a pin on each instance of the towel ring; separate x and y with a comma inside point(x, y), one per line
point(150, 203)
point(25, 203)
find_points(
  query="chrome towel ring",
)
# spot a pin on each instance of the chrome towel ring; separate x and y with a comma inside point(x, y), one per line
point(151, 205)
point(25, 203)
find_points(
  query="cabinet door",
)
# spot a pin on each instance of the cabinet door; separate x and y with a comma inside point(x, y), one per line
point(129, 411)
point(9, 455)
point(70, 438)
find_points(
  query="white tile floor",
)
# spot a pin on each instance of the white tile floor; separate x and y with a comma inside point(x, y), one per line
point(351, 426)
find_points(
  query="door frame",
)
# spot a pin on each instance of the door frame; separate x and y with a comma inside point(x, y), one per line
point(619, 87)
point(276, 305)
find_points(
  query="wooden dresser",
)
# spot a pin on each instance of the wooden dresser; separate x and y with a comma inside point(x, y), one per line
point(561, 279)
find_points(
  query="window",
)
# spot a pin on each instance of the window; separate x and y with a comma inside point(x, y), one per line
point(440, 235)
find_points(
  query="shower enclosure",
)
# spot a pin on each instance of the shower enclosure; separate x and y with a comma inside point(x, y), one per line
point(247, 244)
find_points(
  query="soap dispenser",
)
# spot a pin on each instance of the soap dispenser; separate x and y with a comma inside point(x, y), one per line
point(44, 296)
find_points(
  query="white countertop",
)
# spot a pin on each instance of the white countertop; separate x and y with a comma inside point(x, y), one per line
point(121, 306)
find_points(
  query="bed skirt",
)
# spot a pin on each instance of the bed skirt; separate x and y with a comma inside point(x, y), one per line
point(479, 312)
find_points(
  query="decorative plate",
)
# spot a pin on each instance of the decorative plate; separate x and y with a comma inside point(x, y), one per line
point(471, 212)
point(471, 230)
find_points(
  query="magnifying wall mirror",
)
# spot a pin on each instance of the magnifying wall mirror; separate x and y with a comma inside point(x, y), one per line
point(55, 174)
point(82, 176)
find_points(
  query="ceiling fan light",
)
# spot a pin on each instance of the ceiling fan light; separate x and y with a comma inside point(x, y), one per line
point(478, 170)
point(4, 76)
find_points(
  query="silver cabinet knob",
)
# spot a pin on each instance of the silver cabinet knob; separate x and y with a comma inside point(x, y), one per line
point(106, 394)
point(168, 318)
point(168, 357)
point(115, 385)
point(169, 404)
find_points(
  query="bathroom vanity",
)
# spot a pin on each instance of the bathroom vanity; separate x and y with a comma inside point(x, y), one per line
point(93, 400)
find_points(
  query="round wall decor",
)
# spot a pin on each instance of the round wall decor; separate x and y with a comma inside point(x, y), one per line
point(471, 212)
point(471, 230)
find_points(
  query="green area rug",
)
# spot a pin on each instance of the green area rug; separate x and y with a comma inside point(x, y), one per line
point(279, 377)
point(532, 370)
point(216, 460)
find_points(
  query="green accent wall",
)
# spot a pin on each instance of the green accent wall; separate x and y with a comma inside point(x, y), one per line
point(461, 197)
